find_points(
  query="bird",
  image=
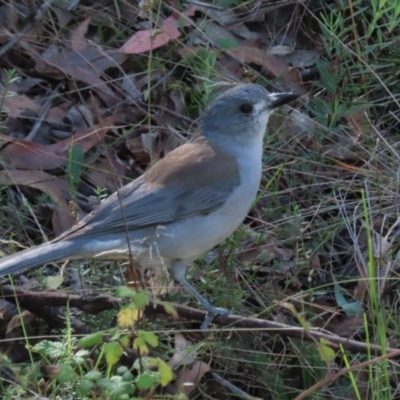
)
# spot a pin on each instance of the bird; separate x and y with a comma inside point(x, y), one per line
point(188, 202)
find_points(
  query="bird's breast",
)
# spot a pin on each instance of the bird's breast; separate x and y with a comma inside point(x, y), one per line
point(188, 239)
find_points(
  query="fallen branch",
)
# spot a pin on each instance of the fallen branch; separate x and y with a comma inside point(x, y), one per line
point(95, 304)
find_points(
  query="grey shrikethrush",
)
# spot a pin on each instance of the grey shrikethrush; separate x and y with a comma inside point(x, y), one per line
point(185, 204)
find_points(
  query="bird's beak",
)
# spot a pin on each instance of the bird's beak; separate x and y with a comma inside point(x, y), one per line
point(279, 99)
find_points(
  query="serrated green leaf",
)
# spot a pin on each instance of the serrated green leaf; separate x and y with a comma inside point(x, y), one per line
point(65, 373)
point(148, 380)
point(149, 337)
point(143, 362)
point(166, 373)
point(124, 340)
point(141, 299)
point(127, 376)
point(140, 344)
point(123, 291)
point(113, 352)
point(84, 387)
point(94, 375)
point(121, 370)
point(91, 340)
point(52, 350)
point(116, 387)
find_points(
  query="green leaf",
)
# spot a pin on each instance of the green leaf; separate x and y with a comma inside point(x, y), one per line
point(326, 352)
point(127, 376)
point(94, 375)
point(170, 309)
point(52, 350)
point(121, 370)
point(351, 308)
point(227, 44)
point(91, 340)
point(65, 373)
point(113, 352)
point(116, 387)
point(149, 337)
point(139, 344)
point(166, 373)
point(124, 340)
point(123, 291)
point(148, 380)
point(141, 299)
point(84, 387)
point(75, 165)
point(54, 282)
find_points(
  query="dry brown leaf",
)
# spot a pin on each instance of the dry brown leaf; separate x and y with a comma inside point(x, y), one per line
point(184, 354)
point(14, 104)
point(146, 40)
point(272, 64)
point(83, 62)
point(360, 124)
point(106, 173)
point(55, 187)
point(24, 317)
point(21, 154)
point(78, 40)
point(7, 312)
point(188, 376)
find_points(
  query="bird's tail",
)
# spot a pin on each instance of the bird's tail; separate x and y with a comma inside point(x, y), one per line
point(37, 256)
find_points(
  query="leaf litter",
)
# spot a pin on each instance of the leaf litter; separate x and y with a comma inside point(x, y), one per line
point(124, 85)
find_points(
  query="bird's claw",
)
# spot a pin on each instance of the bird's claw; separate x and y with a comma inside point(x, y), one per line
point(211, 314)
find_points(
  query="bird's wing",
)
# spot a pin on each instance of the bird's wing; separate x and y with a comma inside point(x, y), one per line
point(191, 180)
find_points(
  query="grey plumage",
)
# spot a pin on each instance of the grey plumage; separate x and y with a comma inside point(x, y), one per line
point(188, 202)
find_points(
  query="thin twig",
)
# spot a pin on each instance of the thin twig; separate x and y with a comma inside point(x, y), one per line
point(230, 386)
point(17, 37)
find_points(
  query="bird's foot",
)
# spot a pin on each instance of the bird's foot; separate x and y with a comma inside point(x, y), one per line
point(212, 312)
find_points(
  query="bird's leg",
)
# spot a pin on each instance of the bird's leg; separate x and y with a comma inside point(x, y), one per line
point(178, 273)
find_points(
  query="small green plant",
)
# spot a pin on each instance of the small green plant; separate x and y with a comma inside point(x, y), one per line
point(11, 76)
point(90, 367)
point(74, 166)
point(147, 373)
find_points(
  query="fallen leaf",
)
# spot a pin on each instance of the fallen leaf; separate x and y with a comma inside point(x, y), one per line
point(83, 62)
point(21, 154)
point(78, 40)
point(24, 317)
point(188, 376)
point(271, 64)
point(151, 39)
point(106, 173)
point(55, 187)
point(185, 352)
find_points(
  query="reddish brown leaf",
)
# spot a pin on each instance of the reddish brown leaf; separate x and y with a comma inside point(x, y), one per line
point(147, 40)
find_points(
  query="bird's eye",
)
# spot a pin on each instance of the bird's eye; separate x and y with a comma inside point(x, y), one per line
point(246, 108)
